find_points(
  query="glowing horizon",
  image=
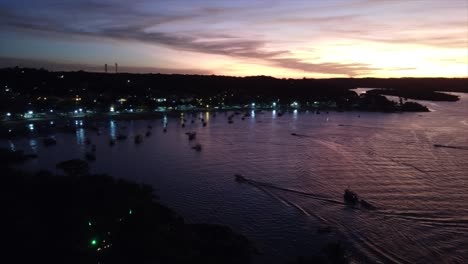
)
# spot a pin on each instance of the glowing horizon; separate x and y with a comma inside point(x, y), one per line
point(316, 39)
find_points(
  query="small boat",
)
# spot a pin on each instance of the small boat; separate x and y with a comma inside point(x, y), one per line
point(204, 124)
point(111, 142)
point(240, 178)
point(150, 126)
point(148, 133)
point(350, 197)
point(49, 141)
point(191, 135)
point(138, 139)
point(230, 121)
point(293, 134)
point(87, 141)
point(183, 124)
point(164, 130)
point(197, 147)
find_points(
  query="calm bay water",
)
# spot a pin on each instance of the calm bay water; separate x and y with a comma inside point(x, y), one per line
point(389, 159)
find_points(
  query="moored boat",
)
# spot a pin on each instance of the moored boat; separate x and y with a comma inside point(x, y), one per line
point(138, 139)
point(197, 147)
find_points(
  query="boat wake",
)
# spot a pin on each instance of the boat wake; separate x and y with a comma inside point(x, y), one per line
point(299, 135)
point(450, 146)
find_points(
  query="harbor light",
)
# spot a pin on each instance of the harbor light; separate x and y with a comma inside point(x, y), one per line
point(253, 105)
point(80, 110)
point(112, 109)
point(76, 111)
point(274, 104)
point(29, 114)
point(51, 110)
point(8, 114)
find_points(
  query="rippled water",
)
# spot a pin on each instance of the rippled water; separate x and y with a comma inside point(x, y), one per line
point(389, 159)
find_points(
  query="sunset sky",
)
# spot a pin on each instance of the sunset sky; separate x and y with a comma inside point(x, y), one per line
point(311, 38)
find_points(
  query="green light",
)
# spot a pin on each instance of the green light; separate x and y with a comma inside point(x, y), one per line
point(94, 242)
point(130, 211)
point(89, 223)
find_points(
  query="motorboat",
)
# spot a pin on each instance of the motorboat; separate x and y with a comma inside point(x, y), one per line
point(350, 197)
point(240, 178)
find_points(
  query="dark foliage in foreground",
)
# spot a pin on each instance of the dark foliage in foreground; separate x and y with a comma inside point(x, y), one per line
point(95, 218)
point(333, 253)
point(83, 218)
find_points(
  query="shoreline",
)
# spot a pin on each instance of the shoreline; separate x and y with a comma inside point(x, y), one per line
point(46, 125)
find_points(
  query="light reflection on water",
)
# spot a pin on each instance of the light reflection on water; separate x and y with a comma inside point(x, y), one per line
point(389, 159)
point(33, 145)
point(80, 136)
point(112, 129)
point(12, 145)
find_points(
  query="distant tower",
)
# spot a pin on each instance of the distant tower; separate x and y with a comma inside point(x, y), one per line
point(105, 68)
point(116, 68)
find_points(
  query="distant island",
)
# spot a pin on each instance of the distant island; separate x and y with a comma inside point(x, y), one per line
point(38, 94)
